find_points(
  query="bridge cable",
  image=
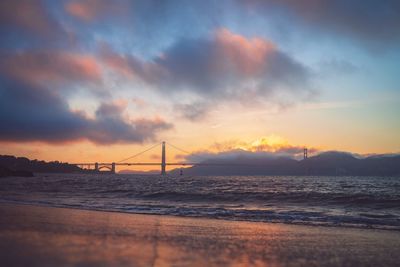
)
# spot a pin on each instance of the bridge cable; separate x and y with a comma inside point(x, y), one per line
point(184, 151)
point(201, 158)
point(140, 153)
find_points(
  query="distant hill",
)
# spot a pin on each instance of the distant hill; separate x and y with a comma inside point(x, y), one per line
point(327, 163)
point(11, 164)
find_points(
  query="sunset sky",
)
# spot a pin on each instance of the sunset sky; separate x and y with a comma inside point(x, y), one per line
point(98, 80)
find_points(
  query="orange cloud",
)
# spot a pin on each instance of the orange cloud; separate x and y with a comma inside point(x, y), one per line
point(81, 10)
point(268, 146)
point(248, 55)
point(117, 62)
point(271, 143)
point(44, 67)
point(89, 10)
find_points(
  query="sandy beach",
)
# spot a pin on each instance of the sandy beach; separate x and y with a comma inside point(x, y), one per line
point(44, 236)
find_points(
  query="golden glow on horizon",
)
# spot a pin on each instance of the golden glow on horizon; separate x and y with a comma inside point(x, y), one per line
point(245, 130)
point(271, 143)
point(88, 152)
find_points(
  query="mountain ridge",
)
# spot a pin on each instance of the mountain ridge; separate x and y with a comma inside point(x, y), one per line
point(326, 163)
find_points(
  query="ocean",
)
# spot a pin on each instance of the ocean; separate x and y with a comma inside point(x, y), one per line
point(363, 202)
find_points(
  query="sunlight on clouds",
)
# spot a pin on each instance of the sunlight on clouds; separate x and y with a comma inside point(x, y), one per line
point(271, 143)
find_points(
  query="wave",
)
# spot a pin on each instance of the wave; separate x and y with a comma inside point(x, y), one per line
point(298, 217)
point(370, 202)
point(298, 197)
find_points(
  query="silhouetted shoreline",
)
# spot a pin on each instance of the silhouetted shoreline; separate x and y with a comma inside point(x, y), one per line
point(5, 172)
point(21, 166)
point(324, 164)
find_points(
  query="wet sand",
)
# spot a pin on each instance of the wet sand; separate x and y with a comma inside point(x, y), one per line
point(42, 236)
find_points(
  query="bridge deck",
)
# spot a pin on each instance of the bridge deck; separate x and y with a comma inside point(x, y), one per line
point(158, 164)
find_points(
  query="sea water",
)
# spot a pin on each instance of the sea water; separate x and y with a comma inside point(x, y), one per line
point(366, 202)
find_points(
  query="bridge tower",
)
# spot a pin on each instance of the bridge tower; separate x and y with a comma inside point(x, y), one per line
point(305, 153)
point(96, 167)
point(113, 167)
point(163, 164)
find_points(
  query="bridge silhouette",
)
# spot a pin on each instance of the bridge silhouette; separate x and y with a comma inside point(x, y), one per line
point(110, 166)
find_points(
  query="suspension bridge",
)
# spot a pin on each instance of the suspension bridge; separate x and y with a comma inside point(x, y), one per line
point(110, 166)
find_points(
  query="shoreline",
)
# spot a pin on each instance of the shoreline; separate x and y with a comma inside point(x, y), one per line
point(372, 227)
point(49, 236)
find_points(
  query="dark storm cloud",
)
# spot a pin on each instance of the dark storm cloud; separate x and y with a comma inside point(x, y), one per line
point(374, 21)
point(32, 113)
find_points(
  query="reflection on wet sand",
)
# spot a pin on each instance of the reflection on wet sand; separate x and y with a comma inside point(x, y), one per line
point(38, 236)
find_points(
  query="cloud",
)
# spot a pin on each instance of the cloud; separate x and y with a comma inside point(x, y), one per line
point(224, 67)
point(266, 147)
point(32, 113)
point(90, 10)
point(232, 155)
point(195, 111)
point(111, 109)
point(110, 127)
point(377, 22)
point(237, 154)
point(51, 67)
point(130, 66)
point(231, 66)
point(31, 18)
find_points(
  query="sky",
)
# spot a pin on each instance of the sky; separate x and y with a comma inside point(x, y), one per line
point(98, 80)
